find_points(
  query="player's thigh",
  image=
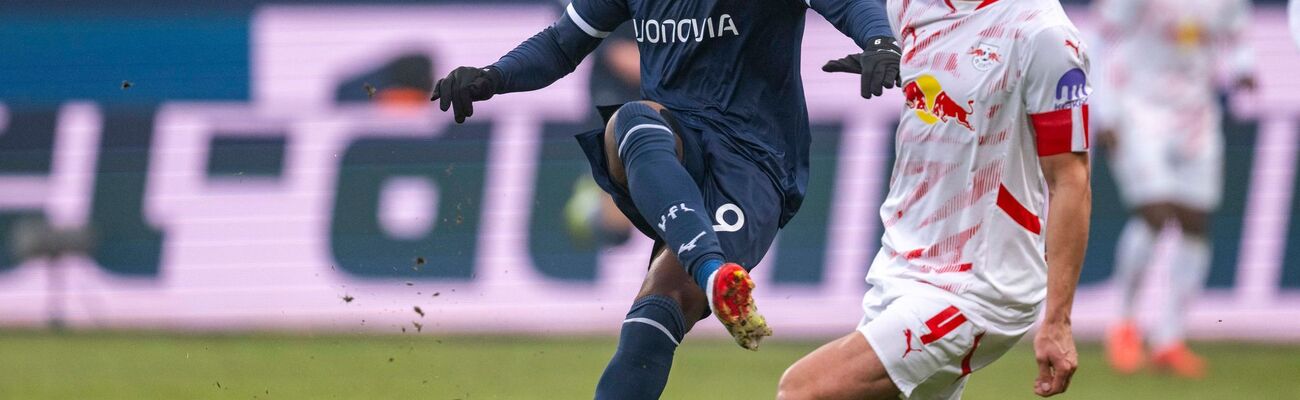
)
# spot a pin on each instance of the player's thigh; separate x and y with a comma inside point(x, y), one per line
point(925, 342)
point(846, 368)
point(667, 277)
point(1201, 175)
point(745, 205)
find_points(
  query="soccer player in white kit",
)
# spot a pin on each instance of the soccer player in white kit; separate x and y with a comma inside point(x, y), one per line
point(995, 126)
point(1161, 122)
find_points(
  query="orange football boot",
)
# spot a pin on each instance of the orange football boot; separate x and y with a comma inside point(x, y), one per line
point(730, 290)
point(1180, 361)
point(1124, 347)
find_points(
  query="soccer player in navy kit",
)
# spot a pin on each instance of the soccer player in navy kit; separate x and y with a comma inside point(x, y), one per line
point(711, 164)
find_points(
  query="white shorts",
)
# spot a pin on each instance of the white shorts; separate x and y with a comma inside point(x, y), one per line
point(928, 343)
point(1170, 155)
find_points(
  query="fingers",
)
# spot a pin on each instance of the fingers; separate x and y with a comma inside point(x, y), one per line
point(1062, 370)
point(436, 93)
point(847, 64)
point(1043, 384)
point(835, 66)
point(446, 91)
point(464, 107)
point(1054, 374)
point(892, 78)
point(874, 83)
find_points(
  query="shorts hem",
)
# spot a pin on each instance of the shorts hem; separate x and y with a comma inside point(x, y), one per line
point(904, 387)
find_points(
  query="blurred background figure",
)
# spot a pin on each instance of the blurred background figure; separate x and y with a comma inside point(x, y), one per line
point(402, 83)
point(1294, 10)
point(590, 215)
point(34, 239)
point(1161, 124)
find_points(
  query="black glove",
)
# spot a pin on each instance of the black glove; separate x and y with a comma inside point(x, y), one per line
point(464, 86)
point(878, 64)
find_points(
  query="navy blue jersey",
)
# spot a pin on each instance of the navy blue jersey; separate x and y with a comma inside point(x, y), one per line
point(732, 65)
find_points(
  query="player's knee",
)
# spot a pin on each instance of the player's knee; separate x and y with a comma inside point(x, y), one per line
point(1196, 229)
point(1193, 223)
point(791, 386)
point(796, 384)
point(668, 278)
point(1156, 215)
point(634, 124)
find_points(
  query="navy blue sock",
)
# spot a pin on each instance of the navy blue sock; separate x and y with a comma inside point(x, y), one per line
point(662, 190)
point(639, 369)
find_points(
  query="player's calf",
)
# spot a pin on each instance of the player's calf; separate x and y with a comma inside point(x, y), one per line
point(650, 335)
point(645, 153)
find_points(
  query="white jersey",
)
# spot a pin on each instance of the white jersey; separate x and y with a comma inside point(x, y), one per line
point(1167, 53)
point(1160, 64)
point(990, 87)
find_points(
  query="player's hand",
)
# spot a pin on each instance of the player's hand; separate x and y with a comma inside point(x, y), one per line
point(1107, 139)
point(1057, 359)
point(878, 64)
point(1246, 83)
point(464, 86)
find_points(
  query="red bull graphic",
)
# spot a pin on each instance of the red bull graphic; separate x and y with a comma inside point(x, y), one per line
point(985, 56)
point(926, 97)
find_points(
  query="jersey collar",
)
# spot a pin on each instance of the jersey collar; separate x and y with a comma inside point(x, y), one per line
point(964, 4)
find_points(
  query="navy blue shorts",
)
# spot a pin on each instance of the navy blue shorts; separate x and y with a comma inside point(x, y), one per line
point(744, 203)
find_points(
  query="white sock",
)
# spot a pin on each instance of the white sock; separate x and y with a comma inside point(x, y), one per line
point(1132, 256)
point(1191, 265)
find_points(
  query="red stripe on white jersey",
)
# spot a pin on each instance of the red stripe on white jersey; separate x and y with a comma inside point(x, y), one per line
point(1017, 211)
point(986, 3)
point(947, 268)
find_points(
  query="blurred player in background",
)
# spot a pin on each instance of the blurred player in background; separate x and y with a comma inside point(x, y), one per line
point(590, 215)
point(399, 84)
point(711, 163)
point(1161, 123)
point(1293, 9)
point(995, 126)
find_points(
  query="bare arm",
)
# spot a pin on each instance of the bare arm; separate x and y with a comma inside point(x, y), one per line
point(1241, 64)
point(1070, 198)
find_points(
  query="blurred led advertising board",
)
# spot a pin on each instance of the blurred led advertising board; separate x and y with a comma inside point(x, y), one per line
point(272, 190)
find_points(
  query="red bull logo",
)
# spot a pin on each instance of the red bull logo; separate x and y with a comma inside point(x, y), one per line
point(926, 97)
point(985, 56)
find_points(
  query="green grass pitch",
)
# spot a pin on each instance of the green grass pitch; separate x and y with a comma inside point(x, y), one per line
point(168, 366)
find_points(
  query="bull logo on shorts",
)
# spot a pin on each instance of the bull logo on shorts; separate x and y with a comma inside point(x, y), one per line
point(932, 104)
